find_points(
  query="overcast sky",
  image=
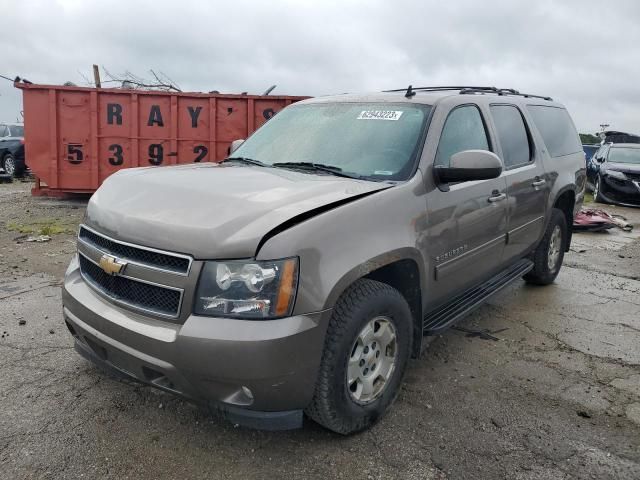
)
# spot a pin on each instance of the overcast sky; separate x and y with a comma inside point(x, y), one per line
point(585, 54)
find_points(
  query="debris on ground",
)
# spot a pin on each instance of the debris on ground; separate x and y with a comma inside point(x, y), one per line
point(597, 220)
point(484, 334)
point(39, 238)
point(498, 423)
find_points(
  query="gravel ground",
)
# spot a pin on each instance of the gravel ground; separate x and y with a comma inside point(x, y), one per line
point(556, 397)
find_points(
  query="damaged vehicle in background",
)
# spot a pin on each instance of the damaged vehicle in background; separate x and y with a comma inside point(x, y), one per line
point(301, 273)
point(12, 149)
point(615, 174)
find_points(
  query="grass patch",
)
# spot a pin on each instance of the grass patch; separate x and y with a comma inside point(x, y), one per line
point(41, 227)
point(588, 197)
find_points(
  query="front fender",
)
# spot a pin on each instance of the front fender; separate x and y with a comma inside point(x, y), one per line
point(338, 246)
point(363, 269)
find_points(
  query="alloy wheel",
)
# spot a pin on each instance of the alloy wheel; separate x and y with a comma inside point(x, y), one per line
point(10, 165)
point(372, 360)
point(555, 246)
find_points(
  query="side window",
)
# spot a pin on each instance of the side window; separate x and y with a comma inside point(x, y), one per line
point(557, 129)
point(512, 135)
point(463, 130)
point(3, 131)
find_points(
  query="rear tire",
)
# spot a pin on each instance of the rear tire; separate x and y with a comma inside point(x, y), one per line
point(352, 391)
point(547, 257)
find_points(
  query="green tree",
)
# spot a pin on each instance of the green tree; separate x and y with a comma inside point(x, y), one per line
point(587, 138)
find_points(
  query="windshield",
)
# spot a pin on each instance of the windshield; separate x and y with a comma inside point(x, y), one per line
point(624, 155)
point(375, 141)
point(16, 130)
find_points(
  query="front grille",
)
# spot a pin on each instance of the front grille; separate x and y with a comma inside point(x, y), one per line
point(162, 261)
point(140, 295)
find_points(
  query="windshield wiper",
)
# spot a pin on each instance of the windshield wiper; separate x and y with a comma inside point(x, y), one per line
point(319, 167)
point(248, 161)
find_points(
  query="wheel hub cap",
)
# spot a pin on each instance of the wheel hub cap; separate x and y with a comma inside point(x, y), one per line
point(555, 244)
point(9, 167)
point(372, 360)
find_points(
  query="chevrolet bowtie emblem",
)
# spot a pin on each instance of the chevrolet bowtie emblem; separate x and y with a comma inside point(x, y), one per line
point(112, 265)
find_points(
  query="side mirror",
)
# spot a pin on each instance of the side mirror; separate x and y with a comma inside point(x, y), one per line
point(469, 165)
point(235, 145)
point(599, 159)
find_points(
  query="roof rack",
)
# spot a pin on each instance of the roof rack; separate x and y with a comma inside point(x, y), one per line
point(466, 90)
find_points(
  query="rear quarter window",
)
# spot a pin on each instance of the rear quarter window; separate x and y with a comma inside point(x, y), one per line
point(557, 130)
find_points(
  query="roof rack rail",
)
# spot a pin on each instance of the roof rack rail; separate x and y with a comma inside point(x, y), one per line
point(466, 90)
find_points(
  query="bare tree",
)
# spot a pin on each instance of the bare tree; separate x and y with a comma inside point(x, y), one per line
point(129, 80)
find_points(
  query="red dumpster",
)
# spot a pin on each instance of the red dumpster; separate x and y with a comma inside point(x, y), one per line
point(75, 137)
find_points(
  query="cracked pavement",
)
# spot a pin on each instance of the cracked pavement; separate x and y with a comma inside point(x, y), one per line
point(556, 397)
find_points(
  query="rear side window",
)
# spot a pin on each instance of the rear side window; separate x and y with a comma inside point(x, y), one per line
point(512, 135)
point(463, 130)
point(557, 130)
point(3, 131)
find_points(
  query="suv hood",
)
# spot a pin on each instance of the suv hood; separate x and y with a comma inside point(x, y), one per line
point(210, 210)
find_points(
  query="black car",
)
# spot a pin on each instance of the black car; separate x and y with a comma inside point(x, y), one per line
point(613, 136)
point(12, 149)
point(615, 174)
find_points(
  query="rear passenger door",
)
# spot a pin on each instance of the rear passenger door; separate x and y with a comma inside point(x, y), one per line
point(527, 188)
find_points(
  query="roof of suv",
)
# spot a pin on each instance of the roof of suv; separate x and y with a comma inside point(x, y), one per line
point(431, 95)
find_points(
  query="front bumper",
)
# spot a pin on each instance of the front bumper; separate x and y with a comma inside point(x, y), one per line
point(257, 373)
point(622, 192)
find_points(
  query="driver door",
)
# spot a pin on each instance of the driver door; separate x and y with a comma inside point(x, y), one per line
point(468, 222)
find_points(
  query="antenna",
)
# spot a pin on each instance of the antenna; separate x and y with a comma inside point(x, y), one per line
point(410, 93)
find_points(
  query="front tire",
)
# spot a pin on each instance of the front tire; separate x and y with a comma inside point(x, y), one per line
point(547, 257)
point(12, 167)
point(366, 351)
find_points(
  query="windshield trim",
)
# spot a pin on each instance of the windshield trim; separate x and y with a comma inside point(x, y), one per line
point(416, 155)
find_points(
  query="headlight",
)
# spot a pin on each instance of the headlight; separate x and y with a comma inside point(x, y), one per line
point(614, 174)
point(247, 289)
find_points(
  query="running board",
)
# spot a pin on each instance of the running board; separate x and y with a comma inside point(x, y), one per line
point(454, 310)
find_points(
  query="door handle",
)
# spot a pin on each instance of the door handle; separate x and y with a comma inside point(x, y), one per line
point(497, 197)
point(538, 182)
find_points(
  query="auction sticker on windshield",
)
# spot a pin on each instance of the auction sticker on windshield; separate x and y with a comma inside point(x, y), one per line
point(379, 115)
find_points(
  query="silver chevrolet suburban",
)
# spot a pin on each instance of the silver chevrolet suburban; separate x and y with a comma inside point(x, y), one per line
point(300, 274)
